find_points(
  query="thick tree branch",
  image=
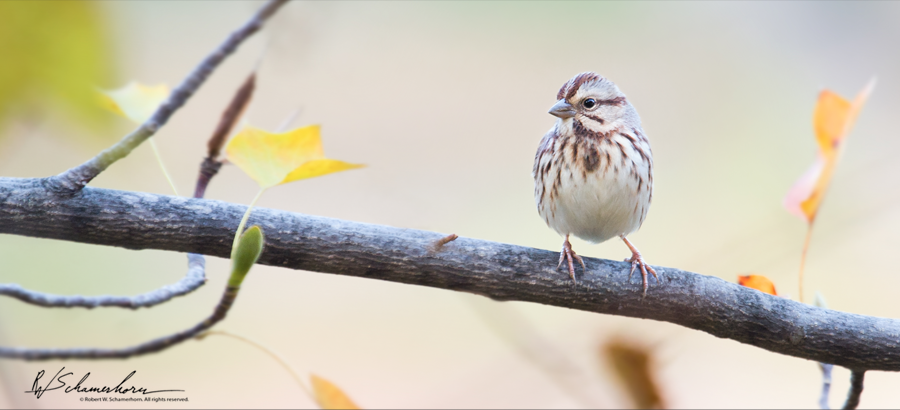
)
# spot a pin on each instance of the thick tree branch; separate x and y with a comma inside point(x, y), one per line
point(137, 220)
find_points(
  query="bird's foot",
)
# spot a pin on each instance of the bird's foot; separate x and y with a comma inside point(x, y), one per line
point(638, 261)
point(570, 256)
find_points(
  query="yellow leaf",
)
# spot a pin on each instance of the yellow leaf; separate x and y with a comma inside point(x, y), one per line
point(135, 101)
point(318, 167)
point(329, 396)
point(833, 118)
point(274, 159)
point(758, 282)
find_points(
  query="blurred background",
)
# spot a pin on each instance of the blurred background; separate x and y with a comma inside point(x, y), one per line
point(446, 102)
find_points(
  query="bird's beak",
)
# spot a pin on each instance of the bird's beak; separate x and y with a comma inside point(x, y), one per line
point(562, 109)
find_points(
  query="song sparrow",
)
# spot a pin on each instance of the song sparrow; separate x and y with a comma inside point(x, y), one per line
point(593, 171)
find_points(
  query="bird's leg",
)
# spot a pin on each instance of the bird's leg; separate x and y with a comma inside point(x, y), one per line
point(568, 254)
point(637, 260)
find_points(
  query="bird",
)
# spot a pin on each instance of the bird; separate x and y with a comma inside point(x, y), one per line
point(593, 171)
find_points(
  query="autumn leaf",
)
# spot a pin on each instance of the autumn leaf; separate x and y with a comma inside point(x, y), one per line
point(833, 118)
point(329, 396)
point(632, 367)
point(53, 53)
point(138, 103)
point(135, 101)
point(278, 158)
point(758, 282)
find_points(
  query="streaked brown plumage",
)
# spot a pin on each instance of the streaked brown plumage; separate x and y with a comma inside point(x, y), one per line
point(593, 171)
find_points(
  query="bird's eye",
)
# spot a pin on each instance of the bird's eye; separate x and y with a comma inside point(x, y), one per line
point(589, 103)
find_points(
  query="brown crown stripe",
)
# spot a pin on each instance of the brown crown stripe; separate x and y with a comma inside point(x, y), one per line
point(577, 82)
point(562, 91)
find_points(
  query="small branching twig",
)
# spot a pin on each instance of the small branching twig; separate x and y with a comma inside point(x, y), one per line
point(856, 389)
point(196, 273)
point(826, 385)
point(439, 244)
point(71, 181)
point(211, 164)
point(149, 347)
point(232, 114)
point(277, 357)
point(195, 278)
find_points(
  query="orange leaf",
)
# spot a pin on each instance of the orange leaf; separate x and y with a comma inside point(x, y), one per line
point(833, 118)
point(830, 121)
point(758, 282)
point(329, 396)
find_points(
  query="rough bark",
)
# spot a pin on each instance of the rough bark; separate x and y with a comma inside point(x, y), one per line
point(499, 271)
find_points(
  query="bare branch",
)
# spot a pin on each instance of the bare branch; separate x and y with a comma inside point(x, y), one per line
point(195, 278)
point(856, 389)
point(74, 179)
point(826, 384)
point(231, 115)
point(149, 347)
point(138, 220)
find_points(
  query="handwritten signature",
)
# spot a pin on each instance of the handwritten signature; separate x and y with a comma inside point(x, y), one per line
point(57, 383)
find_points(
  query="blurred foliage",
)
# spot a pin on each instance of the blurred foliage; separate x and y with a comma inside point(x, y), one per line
point(329, 396)
point(54, 55)
point(631, 364)
point(758, 282)
point(135, 101)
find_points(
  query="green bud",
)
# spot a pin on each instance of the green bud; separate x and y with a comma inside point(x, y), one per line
point(245, 254)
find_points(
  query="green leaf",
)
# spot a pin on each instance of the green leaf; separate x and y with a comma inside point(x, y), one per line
point(245, 254)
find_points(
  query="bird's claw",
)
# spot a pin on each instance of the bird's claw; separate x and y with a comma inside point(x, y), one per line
point(637, 260)
point(570, 256)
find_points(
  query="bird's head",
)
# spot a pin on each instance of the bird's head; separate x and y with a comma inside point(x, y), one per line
point(594, 102)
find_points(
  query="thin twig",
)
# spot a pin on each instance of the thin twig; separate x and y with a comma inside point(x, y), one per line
point(803, 259)
point(231, 115)
point(211, 164)
point(152, 346)
point(208, 169)
point(76, 178)
point(826, 385)
point(438, 244)
point(277, 357)
point(195, 278)
point(69, 182)
point(856, 389)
